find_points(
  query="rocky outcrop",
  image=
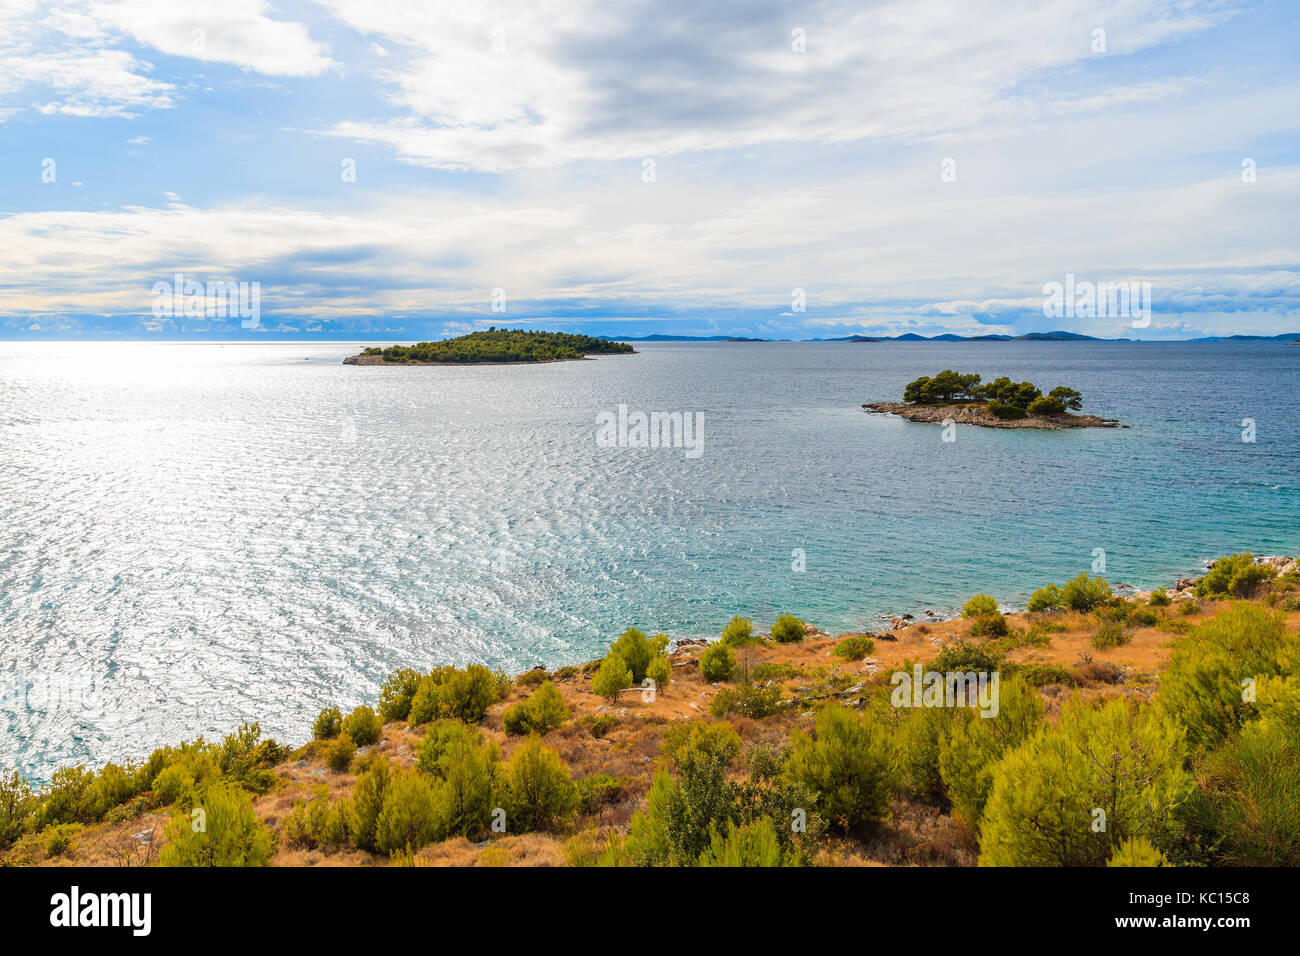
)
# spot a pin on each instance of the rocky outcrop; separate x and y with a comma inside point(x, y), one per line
point(977, 414)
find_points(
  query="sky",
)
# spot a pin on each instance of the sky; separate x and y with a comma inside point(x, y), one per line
point(412, 169)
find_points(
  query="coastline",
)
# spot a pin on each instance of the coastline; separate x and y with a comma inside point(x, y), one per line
point(618, 739)
point(977, 414)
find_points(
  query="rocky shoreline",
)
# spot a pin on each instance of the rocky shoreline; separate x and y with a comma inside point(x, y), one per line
point(978, 414)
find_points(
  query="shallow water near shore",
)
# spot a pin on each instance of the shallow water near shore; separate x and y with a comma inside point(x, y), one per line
point(197, 534)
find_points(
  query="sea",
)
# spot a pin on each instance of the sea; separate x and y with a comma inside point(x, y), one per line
point(198, 534)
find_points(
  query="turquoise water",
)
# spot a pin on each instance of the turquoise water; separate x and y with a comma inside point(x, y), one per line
point(192, 535)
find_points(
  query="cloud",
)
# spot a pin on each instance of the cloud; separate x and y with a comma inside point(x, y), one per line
point(508, 85)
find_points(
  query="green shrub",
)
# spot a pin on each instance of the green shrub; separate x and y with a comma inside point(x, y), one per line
point(598, 791)
point(367, 803)
point(112, 786)
point(1237, 575)
point(1046, 405)
point(409, 817)
point(746, 701)
point(1144, 617)
point(965, 656)
point(612, 677)
point(1137, 851)
point(660, 671)
point(788, 629)
point(989, 625)
point(67, 798)
point(532, 678)
point(753, 844)
point(307, 823)
point(17, 804)
point(243, 757)
point(700, 740)
point(975, 743)
point(636, 651)
point(227, 833)
point(848, 767)
point(60, 838)
point(1188, 608)
point(363, 726)
point(717, 663)
point(1110, 633)
point(1246, 811)
point(1047, 598)
point(979, 605)
point(1083, 593)
point(537, 789)
point(739, 632)
point(855, 647)
point(467, 694)
point(1005, 411)
point(396, 694)
point(339, 754)
point(1048, 794)
point(466, 767)
point(601, 724)
point(919, 734)
point(1202, 688)
point(1159, 598)
point(539, 714)
point(328, 725)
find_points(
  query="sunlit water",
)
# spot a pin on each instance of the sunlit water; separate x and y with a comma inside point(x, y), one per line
point(193, 535)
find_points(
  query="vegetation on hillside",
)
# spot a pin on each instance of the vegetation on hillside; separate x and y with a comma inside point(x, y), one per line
point(1203, 771)
point(502, 345)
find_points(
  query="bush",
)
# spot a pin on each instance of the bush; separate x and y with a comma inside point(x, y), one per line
point(328, 725)
point(1047, 598)
point(1110, 633)
point(230, 834)
point(363, 726)
point(989, 625)
point(539, 714)
point(396, 694)
point(717, 663)
point(367, 803)
point(974, 745)
point(17, 803)
point(409, 817)
point(1202, 688)
point(1144, 617)
point(965, 656)
point(1125, 763)
point(67, 798)
point(532, 678)
point(848, 766)
point(855, 647)
point(597, 792)
point(788, 629)
point(307, 823)
point(1137, 852)
point(1246, 811)
point(60, 838)
point(636, 651)
point(611, 678)
point(538, 792)
point(1083, 593)
point(746, 701)
point(1159, 598)
point(466, 769)
point(1046, 405)
point(753, 844)
point(979, 605)
point(699, 740)
point(1237, 575)
point(450, 693)
point(339, 754)
point(739, 632)
point(1005, 411)
point(660, 671)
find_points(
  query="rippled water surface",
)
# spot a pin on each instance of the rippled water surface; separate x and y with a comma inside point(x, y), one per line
point(192, 535)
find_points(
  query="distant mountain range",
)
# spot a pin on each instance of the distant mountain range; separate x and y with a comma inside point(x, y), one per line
point(1058, 336)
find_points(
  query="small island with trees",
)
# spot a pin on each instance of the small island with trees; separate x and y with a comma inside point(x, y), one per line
point(493, 347)
point(1000, 403)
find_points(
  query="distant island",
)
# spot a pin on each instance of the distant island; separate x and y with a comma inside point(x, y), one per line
point(493, 347)
point(1001, 403)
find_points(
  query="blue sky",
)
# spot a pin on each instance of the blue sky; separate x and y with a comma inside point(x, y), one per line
point(916, 166)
